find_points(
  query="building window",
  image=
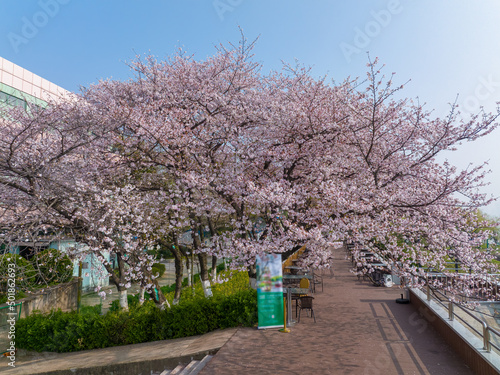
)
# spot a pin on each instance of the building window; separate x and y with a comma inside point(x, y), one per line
point(11, 100)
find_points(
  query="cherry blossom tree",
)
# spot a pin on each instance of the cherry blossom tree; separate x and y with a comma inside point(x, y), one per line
point(363, 166)
point(293, 159)
point(287, 159)
point(58, 170)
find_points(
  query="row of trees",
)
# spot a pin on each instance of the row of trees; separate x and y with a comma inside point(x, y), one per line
point(266, 162)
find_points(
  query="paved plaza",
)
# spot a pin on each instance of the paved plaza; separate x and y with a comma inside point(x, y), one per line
point(359, 329)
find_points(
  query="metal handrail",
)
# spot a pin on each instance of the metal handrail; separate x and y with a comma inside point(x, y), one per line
point(486, 329)
point(486, 333)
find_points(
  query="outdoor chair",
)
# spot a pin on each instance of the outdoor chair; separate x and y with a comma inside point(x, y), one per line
point(306, 303)
point(317, 279)
point(304, 283)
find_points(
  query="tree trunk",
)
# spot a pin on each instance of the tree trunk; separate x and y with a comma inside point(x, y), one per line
point(119, 280)
point(141, 294)
point(252, 274)
point(188, 265)
point(214, 268)
point(205, 282)
point(157, 296)
point(122, 293)
point(176, 251)
point(214, 258)
point(202, 257)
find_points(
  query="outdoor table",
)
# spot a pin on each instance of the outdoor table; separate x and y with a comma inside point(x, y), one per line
point(368, 256)
point(289, 292)
point(294, 269)
point(377, 264)
point(298, 277)
point(364, 255)
point(291, 278)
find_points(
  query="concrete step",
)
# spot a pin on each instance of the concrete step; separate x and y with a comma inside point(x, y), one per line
point(189, 367)
point(177, 370)
point(201, 364)
point(192, 368)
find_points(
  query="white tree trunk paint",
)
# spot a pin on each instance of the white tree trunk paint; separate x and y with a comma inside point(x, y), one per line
point(207, 290)
point(123, 299)
point(141, 295)
point(214, 275)
point(176, 301)
point(253, 283)
point(189, 277)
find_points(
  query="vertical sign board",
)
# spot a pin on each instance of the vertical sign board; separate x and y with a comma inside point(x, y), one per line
point(270, 291)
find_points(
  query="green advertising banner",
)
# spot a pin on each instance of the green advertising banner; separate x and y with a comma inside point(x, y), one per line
point(270, 291)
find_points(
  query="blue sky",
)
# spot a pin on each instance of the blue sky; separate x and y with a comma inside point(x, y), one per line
point(445, 47)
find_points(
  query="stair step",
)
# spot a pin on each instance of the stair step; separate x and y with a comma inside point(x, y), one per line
point(201, 364)
point(177, 370)
point(189, 367)
point(192, 368)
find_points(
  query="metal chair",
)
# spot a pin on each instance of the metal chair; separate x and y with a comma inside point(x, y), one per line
point(306, 303)
point(304, 284)
point(317, 279)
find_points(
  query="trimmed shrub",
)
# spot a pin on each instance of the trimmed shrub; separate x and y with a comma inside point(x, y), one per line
point(68, 332)
point(91, 310)
point(133, 301)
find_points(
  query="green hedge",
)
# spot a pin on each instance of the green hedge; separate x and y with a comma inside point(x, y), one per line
point(132, 300)
point(70, 331)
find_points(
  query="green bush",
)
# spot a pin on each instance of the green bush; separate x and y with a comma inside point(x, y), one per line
point(220, 267)
point(233, 304)
point(133, 301)
point(68, 332)
point(158, 269)
point(91, 310)
point(19, 295)
point(25, 274)
point(54, 267)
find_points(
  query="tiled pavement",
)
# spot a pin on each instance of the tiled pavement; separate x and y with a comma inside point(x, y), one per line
point(360, 329)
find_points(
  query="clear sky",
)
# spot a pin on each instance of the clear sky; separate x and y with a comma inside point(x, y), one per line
point(446, 47)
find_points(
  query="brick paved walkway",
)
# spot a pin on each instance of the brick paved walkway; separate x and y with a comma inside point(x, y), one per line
point(360, 329)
